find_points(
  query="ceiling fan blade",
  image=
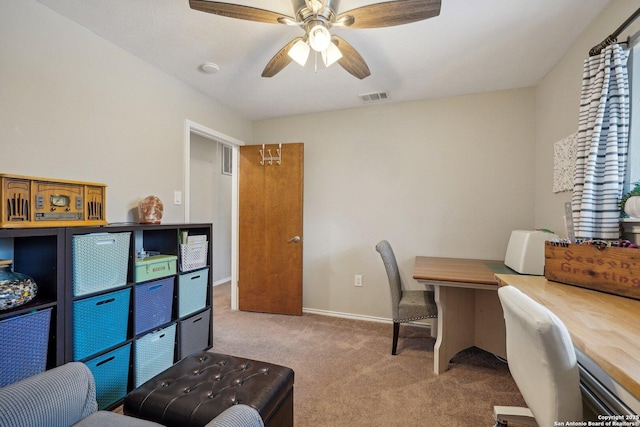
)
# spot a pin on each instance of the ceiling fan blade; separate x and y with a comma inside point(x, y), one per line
point(237, 11)
point(289, 21)
point(343, 21)
point(392, 13)
point(279, 60)
point(351, 59)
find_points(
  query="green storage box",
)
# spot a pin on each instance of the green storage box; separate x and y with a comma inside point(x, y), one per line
point(155, 267)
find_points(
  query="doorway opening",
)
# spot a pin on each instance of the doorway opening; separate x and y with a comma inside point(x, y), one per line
point(212, 196)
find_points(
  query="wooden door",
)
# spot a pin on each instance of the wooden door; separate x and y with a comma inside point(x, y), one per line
point(270, 236)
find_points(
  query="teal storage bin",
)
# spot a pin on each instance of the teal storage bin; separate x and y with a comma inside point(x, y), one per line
point(100, 261)
point(111, 374)
point(155, 267)
point(192, 291)
point(154, 353)
point(100, 322)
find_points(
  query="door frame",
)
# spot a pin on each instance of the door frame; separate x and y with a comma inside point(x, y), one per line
point(215, 136)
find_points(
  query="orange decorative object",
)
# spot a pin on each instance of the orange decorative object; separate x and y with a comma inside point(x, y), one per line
point(150, 210)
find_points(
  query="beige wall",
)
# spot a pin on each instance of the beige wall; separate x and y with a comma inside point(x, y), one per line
point(445, 177)
point(557, 105)
point(74, 106)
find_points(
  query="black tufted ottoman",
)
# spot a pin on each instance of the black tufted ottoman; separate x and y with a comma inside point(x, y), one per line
point(199, 387)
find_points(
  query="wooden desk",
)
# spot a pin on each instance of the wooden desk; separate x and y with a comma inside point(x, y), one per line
point(469, 311)
point(604, 327)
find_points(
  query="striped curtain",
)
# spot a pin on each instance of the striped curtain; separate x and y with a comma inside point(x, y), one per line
point(603, 139)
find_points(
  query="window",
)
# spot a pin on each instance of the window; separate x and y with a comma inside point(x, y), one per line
point(633, 168)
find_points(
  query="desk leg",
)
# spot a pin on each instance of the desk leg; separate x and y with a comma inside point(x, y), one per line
point(490, 330)
point(456, 312)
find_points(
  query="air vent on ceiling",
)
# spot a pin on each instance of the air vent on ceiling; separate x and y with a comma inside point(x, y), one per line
point(374, 97)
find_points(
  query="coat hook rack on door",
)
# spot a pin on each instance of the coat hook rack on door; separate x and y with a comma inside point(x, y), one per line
point(270, 157)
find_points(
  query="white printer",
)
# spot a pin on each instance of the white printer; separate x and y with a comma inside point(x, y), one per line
point(525, 252)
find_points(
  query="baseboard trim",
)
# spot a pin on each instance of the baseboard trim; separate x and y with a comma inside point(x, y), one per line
point(346, 315)
point(221, 281)
point(426, 323)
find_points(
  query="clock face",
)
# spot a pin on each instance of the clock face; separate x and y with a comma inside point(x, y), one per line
point(59, 201)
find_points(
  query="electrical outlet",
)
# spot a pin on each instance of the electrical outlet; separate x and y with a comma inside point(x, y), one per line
point(358, 280)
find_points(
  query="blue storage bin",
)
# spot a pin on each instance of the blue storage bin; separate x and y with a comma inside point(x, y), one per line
point(100, 261)
point(24, 341)
point(100, 322)
point(111, 374)
point(154, 353)
point(192, 291)
point(153, 303)
point(194, 333)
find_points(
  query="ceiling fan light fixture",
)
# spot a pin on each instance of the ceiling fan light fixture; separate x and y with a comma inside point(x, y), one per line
point(316, 18)
point(331, 55)
point(319, 38)
point(299, 52)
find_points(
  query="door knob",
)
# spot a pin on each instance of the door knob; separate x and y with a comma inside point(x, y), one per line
point(294, 239)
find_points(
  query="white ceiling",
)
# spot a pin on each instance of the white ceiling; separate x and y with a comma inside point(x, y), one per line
point(473, 46)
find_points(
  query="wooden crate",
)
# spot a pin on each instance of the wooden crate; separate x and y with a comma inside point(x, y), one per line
point(42, 202)
point(611, 269)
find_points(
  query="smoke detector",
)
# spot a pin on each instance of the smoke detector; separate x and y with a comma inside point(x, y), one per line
point(210, 68)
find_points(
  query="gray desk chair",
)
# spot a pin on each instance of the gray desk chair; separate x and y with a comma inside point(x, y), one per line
point(406, 306)
point(542, 361)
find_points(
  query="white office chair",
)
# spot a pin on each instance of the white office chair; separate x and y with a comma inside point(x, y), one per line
point(542, 361)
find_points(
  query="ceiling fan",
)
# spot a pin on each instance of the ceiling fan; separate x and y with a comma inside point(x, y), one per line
point(316, 18)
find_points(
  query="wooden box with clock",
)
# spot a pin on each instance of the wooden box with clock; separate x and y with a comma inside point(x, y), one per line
point(29, 202)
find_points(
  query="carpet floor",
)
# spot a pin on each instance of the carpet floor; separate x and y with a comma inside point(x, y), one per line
point(345, 375)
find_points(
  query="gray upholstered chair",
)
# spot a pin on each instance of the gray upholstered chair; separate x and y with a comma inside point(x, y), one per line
point(66, 396)
point(542, 361)
point(406, 305)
